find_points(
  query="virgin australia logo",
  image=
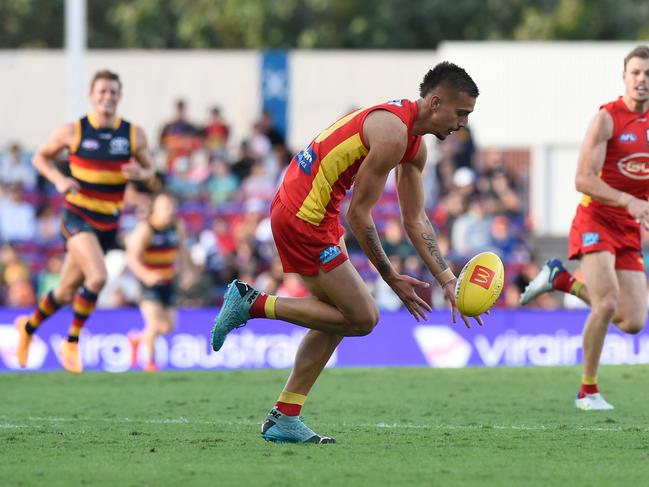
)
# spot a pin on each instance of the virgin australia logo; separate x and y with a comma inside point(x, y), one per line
point(442, 347)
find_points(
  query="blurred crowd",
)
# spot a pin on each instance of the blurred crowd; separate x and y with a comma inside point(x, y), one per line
point(477, 200)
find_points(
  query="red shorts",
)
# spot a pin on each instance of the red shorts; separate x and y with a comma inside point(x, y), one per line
point(302, 247)
point(592, 234)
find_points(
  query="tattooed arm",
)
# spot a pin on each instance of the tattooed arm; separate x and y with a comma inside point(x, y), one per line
point(386, 136)
point(418, 227)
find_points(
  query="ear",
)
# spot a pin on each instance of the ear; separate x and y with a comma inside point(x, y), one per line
point(434, 102)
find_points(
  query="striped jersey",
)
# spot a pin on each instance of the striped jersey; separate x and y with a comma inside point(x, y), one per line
point(320, 175)
point(96, 161)
point(626, 164)
point(160, 255)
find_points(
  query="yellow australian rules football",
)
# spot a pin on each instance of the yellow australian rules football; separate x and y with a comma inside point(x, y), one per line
point(479, 284)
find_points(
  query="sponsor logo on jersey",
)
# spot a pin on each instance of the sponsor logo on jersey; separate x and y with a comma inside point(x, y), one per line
point(329, 254)
point(305, 159)
point(589, 238)
point(90, 144)
point(119, 145)
point(482, 276)
point(635, 166)
point(628, 137)
point(398, 103)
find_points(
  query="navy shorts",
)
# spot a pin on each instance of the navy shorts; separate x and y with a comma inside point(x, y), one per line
point(71, 224)
point(164, 294)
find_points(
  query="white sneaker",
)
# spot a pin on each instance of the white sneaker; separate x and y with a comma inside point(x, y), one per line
point(593, 402)
point(542, 283)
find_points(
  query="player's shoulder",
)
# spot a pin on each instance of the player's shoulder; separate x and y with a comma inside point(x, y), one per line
point(387, 126)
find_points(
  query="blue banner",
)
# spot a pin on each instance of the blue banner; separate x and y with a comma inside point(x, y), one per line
point(275, 87)
point(508, 338)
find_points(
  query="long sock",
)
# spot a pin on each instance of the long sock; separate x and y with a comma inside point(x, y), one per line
point(46, 308)
point(263, 306)
point(566, 282)
point(83, 305)
point(290, 403)
point(588, 386)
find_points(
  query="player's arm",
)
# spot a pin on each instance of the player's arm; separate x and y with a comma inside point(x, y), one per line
point(184, 259)
point(142, 168)
point(410, 187)
point(386, 136)
point(136, 244)
point(43, 160)
point(591, 161)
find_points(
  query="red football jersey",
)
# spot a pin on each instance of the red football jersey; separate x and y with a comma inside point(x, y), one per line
point(319, 176)
point(626, 166)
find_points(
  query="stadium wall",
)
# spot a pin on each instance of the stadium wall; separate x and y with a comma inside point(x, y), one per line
point(534, 95)
point(509, 338)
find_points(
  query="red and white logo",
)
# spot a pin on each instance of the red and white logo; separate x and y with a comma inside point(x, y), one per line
point(482, 276)
point(635, 166)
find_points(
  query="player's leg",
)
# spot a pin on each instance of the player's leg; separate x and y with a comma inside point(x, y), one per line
point(631, 313)
point(155, 320)
point(314, 352)
point(553, 276)
point(71, 279)
point(87, 251)
point(601, 279)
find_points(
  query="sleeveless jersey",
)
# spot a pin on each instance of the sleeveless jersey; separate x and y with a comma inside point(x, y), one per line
point(626, 165)
point(160, 255)
point(320, 175)
point(96, 161)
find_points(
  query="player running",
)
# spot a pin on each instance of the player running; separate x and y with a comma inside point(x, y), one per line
point(105, 152)
point(153, 249)
point(360, 149)
point(613, 175)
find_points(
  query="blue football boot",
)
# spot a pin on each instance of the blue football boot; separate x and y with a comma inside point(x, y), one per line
point(280, 428)
point(235, 311)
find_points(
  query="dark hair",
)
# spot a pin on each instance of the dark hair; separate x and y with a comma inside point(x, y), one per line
point(640, 51)
point(451, 75)
point(105, 74)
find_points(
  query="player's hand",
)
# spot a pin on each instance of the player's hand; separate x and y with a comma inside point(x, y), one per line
point(639, 209)
point(152, 279)
point(135, 171)
point(404, 287)
point(67, 185)
point(449, 293)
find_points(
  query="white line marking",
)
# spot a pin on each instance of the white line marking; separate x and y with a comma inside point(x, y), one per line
point(396, 426)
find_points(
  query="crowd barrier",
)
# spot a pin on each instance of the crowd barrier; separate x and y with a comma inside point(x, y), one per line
point(508, 338)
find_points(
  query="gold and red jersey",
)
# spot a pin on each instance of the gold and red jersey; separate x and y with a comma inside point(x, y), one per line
point(626, 164)
point(96, 161)
point(320, 175)
point(161, 253)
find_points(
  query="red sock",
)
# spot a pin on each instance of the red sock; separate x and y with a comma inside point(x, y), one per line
point(290, 403)
point(587, 389)
point(263, 307)
point(566, 282)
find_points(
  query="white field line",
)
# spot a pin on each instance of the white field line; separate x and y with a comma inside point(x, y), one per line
point(8, 424)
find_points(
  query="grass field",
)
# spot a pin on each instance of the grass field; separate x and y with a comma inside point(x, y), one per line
point(485, 427)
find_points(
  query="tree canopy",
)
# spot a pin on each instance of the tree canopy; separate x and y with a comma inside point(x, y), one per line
point(321, 24)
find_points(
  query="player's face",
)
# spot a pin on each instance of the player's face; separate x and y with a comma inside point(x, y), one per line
point(105, 96)
point(636, 79)
point(450, 113)
point(164, 208)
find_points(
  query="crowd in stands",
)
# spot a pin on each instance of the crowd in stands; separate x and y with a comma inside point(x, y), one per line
point(477, 200)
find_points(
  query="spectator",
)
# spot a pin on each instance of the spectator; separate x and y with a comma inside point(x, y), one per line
point(14, 209)
point(216, 133)
point(179, 138)
point(222, 184)
point(49, 277)
point(16, 168)
point(471, 232)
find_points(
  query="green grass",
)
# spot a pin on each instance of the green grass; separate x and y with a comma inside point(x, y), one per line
point(484, 427)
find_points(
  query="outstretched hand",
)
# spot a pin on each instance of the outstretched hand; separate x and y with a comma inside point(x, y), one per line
point(449, 293)
point(404, 287)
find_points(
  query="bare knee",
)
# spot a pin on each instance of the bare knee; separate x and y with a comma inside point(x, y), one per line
point(630, 325)
point(96, 281)
point(64, 295)
point(362, 323)
point(606, 306)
